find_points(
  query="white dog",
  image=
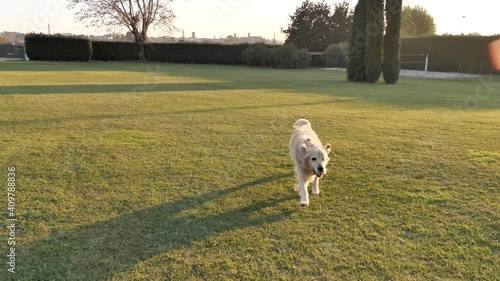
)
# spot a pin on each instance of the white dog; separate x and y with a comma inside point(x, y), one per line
point(310, 158)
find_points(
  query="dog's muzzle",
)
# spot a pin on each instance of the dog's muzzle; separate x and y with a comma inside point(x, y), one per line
point(320, 173)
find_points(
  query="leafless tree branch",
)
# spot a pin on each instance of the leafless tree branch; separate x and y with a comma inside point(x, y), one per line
point(136, 15)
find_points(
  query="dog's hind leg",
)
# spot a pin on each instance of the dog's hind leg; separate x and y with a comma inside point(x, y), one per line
point(315, 186)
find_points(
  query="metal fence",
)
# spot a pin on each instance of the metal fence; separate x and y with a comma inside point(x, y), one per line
point(12, 51)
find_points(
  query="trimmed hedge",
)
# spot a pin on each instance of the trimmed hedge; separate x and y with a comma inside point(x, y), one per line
point(57, 47)
point(195, 53)
point(448, 52)
point(115, 51)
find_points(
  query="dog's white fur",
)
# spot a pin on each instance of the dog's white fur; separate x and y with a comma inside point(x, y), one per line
point(310, 158)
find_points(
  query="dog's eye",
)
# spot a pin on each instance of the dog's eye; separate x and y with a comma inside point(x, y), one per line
point(314, 159)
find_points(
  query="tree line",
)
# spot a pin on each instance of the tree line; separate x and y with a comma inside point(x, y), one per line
point(314, 25)
point(317, 25)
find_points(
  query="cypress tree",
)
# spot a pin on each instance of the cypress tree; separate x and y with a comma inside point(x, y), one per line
point(392, 42)
point(374, 39)
point(356, 70)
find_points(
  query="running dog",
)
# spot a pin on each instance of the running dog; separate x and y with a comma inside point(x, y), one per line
point(310, 157)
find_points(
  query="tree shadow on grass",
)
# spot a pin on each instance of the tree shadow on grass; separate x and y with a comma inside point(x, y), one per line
point(407, 93)
point(109, 247)
point(404, 94)
point(165, 113)
point(119, 88)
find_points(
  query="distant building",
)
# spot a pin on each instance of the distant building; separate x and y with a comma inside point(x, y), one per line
point(18, 38)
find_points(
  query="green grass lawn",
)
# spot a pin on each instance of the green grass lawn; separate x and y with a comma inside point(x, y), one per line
point(129, 171)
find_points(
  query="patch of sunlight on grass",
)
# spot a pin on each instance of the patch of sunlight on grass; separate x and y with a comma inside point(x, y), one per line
point(192, 180)
point(150, 75)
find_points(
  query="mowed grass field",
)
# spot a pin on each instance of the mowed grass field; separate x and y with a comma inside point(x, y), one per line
point(129, 171)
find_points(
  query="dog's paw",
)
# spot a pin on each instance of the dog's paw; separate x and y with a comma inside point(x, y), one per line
point(314, 192)
point(296, 188)
point(304, 203)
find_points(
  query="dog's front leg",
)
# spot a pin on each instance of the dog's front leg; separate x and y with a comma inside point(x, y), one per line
point(304, 200)
point(315, 186)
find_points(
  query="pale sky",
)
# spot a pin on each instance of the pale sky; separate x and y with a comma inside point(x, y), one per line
point(209, 18)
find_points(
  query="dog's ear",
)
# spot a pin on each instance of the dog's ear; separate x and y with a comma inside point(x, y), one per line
point(328, 148)
point(303, 145)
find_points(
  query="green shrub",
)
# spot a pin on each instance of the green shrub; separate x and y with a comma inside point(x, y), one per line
point(304, 59)
point(336, 54)
point(286, 56)
point(269, 57)
point(256, 55)
point(57, 47)
point(115, 51)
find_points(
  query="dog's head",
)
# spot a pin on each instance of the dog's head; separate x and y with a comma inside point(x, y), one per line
point(317, 158)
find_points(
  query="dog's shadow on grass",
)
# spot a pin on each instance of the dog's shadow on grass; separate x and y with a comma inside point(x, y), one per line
point(106, 248)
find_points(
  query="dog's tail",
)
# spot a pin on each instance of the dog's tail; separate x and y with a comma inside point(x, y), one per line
point(300, 123)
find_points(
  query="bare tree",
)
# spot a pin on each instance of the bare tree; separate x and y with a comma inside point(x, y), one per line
point(136, 15)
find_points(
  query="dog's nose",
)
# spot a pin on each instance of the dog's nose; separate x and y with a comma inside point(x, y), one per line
point(321, 169)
